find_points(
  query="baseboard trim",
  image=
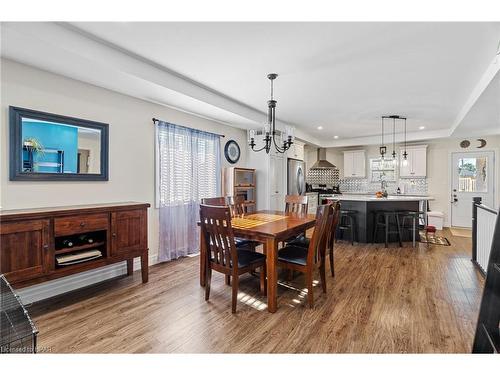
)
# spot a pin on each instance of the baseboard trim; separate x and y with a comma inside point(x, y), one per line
point(66, 284)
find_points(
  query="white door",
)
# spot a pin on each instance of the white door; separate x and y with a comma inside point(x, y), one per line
point(472, 176)
point(277, 196)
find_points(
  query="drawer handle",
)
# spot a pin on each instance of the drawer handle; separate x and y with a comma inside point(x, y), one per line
point(45, 247)
point(82, 224)
point(114, 234)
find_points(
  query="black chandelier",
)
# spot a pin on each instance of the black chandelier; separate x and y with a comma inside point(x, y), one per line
point(281, 140)
point(383, 147)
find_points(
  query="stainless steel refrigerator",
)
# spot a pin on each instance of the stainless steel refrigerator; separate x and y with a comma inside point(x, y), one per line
point(296, 177)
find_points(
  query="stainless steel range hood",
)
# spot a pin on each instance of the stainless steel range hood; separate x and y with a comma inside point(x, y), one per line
point(322, 163)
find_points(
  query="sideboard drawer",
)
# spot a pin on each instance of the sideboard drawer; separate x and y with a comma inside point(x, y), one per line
point(78, 224)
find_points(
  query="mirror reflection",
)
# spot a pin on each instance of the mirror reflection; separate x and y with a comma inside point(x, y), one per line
point(50, 147)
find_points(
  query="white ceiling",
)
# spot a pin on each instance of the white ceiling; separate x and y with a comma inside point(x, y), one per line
point(341, 76)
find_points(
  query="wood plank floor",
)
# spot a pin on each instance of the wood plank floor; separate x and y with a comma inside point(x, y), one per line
point(396, 300)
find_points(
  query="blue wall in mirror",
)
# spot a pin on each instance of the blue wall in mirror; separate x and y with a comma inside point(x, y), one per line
point(54, 138)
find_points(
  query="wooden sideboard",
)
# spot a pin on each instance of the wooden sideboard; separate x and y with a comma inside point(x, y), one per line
point(33, 241)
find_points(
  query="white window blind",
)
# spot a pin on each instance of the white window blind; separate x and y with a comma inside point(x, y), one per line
point(188, 165)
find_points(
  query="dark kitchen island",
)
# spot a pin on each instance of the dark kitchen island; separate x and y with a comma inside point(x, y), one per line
point(366, 205)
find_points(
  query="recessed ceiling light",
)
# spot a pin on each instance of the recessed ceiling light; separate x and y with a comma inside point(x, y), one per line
point(320, 128)
point(335, 137)
point(421, 127)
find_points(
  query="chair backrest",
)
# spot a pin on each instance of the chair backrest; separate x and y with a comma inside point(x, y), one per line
point(323, 214)
point(237, 204)
point(217, 201)
point(218, 236)
point(296, 204)
point(332, 230)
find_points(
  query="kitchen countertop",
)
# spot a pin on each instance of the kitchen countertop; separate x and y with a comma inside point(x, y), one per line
point(372, 197)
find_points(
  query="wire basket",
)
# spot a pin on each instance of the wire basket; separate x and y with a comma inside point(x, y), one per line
point(17, 331)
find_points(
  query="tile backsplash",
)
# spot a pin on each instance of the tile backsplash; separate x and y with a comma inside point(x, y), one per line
point(362, 185)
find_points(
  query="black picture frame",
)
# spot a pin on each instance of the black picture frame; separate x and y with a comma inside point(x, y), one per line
point(226, 151)
point(16, 115)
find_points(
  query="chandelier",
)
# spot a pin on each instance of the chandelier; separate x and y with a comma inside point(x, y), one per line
point(281, 140)
point(383, 147)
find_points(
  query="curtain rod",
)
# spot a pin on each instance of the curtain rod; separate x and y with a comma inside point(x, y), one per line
point(220, 135)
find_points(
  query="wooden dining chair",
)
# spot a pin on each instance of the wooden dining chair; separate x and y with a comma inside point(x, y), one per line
point(216, 201)
point(298, 258)
point(332, 233)
point(296, 204)
point(237, 205)
point(222, 254)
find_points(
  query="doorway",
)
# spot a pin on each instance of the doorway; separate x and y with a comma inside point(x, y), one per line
point(472, 176)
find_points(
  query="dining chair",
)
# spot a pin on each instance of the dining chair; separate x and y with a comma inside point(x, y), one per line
point(296, 204)
point(298, 258)
point(332, 234)
point(216, 201)
point(222, 254)
point(237, 205)
point(331, 231)
point(234, 204)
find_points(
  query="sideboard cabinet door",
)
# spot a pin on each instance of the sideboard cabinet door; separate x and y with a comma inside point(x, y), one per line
point(24, 248)
point(128, 231)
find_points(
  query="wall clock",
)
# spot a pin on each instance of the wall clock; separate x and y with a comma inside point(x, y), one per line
point(232, 151)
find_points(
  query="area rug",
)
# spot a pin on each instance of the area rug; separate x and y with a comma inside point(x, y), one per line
point(461, 232)
point(434, 240)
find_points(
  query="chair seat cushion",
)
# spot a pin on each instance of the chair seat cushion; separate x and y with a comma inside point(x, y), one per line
point(301, 241)
point(246, 258)
point(293, 254)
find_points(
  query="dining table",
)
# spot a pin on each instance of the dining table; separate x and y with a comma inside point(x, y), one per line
point(269, 228)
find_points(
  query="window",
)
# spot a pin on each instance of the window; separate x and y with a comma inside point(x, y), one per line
point(188, 165)
point(472, 176)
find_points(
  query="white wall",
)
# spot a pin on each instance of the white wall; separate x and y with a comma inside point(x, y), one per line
point(438, 166)
point(131, 141)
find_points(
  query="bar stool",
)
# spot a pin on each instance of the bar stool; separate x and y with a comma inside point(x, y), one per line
point(386, 225)
point(409, 222)
point(347, 222)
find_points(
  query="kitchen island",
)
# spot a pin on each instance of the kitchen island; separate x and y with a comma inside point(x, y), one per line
point(365, 206)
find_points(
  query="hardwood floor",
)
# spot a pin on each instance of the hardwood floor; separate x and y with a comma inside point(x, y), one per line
point(395, 300)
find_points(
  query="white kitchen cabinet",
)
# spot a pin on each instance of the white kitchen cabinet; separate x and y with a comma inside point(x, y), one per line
point(416, 165)
point(354, 164)
point(296, 150)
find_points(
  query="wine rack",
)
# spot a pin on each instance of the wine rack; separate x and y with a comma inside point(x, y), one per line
point(79, 245)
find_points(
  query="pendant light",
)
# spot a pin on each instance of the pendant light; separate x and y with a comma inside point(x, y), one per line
point(405, 154)
point(382, 148)
point(394, 138)
point(285, 139)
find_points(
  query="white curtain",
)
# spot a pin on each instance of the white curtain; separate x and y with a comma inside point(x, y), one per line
point(189, 168)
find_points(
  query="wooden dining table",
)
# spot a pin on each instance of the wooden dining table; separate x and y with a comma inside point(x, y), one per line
point(269, 228)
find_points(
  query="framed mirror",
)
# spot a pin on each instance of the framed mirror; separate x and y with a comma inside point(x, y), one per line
point(49, 147)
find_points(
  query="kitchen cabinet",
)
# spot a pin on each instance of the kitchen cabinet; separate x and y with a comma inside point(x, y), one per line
point(296, 150)
point(354, 164)
point(416, 165)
